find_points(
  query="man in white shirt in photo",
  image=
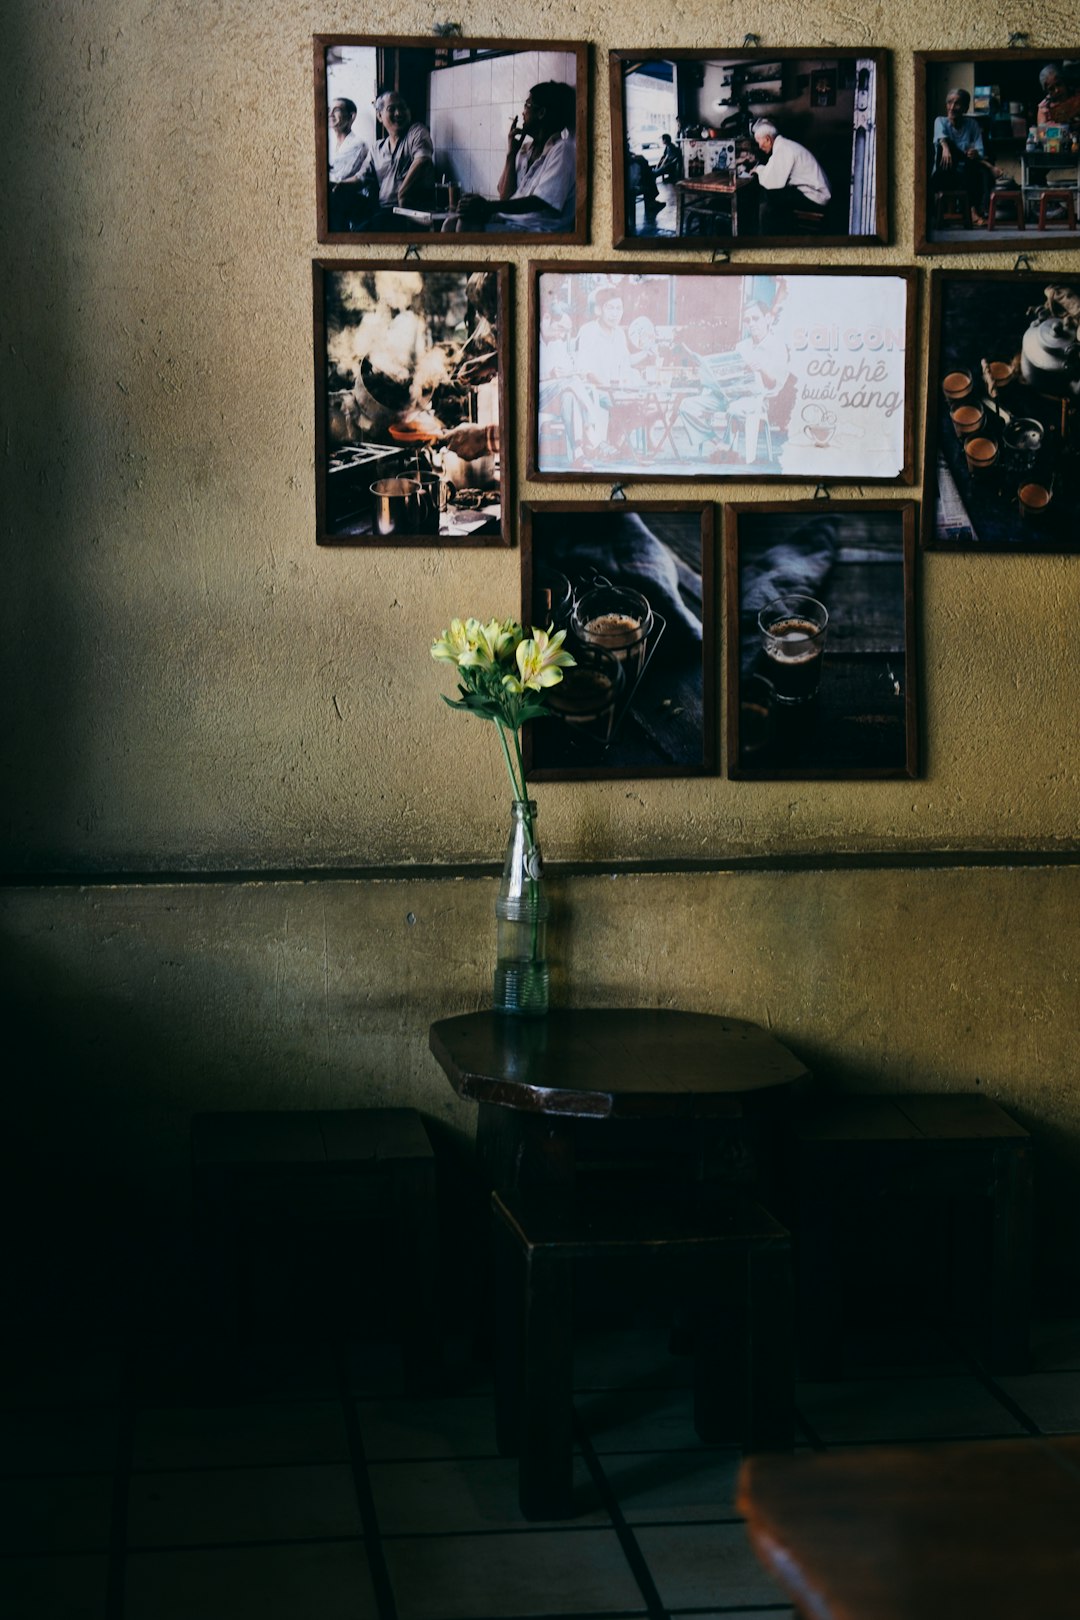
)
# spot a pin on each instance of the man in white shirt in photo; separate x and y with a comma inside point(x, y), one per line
point(792, 181)
point(538, 184)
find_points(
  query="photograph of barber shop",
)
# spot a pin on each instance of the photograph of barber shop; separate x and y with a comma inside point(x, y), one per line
point(998, 166)
point(820, 638)
point(707, 373)
point(1002, 460)
point(481, 140)
point(780, 147)
point(410, 376)
point(631, 587)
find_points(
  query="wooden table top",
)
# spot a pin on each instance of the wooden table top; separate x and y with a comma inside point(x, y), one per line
point(613, 1063)
point(990, 1528)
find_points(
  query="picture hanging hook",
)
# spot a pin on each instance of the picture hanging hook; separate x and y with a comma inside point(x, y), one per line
point(412, 251)
point(446, 30)
point(720, 256)
point(821, 493)
point(618, 492)
point(751, 39)
point(1018, 39)
point(1023, 262)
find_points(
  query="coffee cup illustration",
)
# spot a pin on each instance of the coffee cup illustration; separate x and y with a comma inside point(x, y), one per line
point(819, 425)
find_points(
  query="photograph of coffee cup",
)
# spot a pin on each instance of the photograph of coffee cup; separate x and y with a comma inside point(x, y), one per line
point(1034, 500)
point(967, 420)
point(981, 455)
point(793, 629)
point(957, 385)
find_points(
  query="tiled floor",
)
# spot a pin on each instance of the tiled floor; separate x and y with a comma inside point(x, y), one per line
point(300, 1481)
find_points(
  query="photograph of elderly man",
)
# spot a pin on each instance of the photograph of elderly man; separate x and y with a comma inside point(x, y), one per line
point(482, 138)
point(1000, 168)
point(770, 145)
point(795, 188)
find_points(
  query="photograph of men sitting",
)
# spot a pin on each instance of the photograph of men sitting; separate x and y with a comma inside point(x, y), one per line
point(796, 190)
point(353, 184)
point(404, 162)
point(538, 184)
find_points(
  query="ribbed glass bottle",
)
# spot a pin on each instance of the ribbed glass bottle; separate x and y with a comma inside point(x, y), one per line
point(521, 911)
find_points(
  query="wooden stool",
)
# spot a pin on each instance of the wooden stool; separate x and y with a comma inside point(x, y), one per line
point(808, 221)
point(853, 1151)
point(259, 1172)
point(953, 207)
point(1014, 200)
point(738, 1260)
point(1061, 196)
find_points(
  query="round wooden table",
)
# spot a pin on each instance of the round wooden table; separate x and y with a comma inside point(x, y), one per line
point(669, 1077)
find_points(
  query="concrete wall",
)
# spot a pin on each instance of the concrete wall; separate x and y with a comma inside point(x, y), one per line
point(193, 688)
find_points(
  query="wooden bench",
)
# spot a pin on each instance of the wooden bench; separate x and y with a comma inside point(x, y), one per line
point(735, 1262)
point(855, 1154)
point(257, 1173)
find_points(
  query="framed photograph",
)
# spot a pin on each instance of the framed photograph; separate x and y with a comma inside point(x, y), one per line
point(1002, 462)
point(472, 140)
point(999, 148)
point(763, 148)
point(820, 640)
point(410, 403)
point(711, 372)
point(632, 586)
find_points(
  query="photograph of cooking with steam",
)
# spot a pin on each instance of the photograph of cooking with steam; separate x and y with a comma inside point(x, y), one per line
point(765, 147)
point(821, 640)
point(474, 140)
point(409, 402)
point(632, 587)
point(1002, 463)
point(711, 373)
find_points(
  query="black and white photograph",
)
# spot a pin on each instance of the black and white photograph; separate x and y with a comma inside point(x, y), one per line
point(771, 147)
point(1002, 462)
point(474, 140)
point(998, 165)
point(712, 373)
point(820, 640)
point(410, 381)
point(631, 585)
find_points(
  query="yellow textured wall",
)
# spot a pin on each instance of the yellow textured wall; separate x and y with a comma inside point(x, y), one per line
point(193, 682)
point(191, 685)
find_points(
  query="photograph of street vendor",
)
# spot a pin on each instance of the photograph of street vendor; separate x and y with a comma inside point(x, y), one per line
point(1061, 94)
point(795, 186)
point(410, 450)
point(773, 145)
point(537, 186)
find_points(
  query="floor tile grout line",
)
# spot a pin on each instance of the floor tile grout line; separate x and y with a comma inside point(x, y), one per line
point(125, 1450)
point(627, 1540)
point(815, 1439)
point(385, 1602)
point(990, 1384)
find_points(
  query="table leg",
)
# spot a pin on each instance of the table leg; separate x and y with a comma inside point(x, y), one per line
point(525, 1155)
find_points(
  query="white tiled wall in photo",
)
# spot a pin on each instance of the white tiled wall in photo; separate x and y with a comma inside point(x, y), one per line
point(472, 105)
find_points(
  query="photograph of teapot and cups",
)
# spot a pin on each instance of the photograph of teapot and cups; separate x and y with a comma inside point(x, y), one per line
point(1003, 447)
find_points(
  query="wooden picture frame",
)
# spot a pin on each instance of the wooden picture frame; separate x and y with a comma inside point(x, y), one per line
point(1000, 466)
point(1001, 180)
point(713, 372)
point(411, 395)
point(826, 185)
point(632, 585)
point(460, 95)
point(812, 695)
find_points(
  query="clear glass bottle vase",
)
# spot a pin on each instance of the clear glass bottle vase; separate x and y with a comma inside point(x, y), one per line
point(521, 912)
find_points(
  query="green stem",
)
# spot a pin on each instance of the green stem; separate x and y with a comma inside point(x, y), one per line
point(518, 793)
